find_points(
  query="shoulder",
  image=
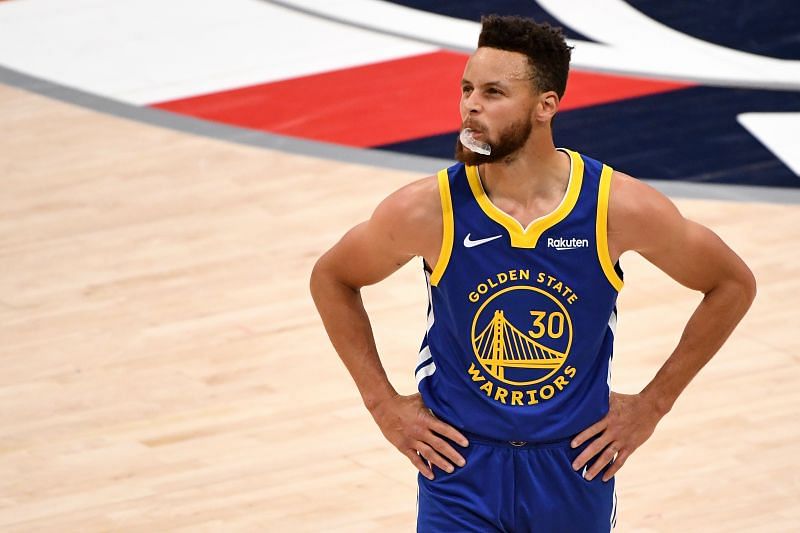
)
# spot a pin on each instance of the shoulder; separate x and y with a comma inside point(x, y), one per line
point(638, 214)
point(411, 216)
point(631, 197)
point(413, 204)
point(643, 219)
point(412, 201)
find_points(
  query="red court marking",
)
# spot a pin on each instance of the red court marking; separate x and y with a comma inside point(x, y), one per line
point(381, 103)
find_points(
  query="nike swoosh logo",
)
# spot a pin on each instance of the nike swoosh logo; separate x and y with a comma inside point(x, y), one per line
point(470, 243)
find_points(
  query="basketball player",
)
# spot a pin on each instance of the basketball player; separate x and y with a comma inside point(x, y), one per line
point(515, 427)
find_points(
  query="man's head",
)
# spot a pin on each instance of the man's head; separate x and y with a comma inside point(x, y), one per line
point(543, 46)
point(512, 84)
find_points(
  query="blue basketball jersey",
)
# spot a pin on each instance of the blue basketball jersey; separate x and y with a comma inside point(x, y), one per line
point(521, 320)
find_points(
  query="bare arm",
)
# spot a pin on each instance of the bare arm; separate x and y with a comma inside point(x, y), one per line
point(642, 219)
point(407, 224)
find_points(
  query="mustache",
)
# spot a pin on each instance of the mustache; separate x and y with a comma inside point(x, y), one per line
point(473, 125)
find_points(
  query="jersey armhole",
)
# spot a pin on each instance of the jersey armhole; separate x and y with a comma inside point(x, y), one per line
point(447, 228)
point(602, 229)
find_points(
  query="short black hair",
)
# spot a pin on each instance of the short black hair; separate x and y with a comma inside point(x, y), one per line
point(544, 45)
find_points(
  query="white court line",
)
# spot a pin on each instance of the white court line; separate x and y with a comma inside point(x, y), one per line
point(778, 132)
point(629, 42)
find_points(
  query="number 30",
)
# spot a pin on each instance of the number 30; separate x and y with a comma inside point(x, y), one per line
point(555, 324)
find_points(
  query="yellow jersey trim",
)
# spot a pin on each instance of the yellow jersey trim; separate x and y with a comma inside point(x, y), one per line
point(602, 229)
point(447, 228)
point(528, 237)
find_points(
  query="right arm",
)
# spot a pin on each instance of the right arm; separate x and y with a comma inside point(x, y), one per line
point(406, 224)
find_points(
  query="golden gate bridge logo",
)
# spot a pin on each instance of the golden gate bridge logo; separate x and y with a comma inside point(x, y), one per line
point(500, 346)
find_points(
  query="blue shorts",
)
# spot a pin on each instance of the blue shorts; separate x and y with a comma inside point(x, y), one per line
point(522, 488)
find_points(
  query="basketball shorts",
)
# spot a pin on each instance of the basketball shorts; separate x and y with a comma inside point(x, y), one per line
point(514, 488)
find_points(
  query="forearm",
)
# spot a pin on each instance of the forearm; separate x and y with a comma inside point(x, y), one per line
point(348, 326)
point(708, 328)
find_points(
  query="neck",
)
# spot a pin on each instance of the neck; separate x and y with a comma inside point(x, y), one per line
point(538, 171)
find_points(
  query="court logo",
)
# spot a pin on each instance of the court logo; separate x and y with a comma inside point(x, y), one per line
point(521, 335)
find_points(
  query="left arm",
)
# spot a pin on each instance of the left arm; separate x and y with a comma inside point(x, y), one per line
point(642, 219)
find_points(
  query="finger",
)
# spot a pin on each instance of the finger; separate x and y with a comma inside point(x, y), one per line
point(605, 458)
point(591, 450)
point(446, 430)
point(618, 462)
point(417, 461)
point(434, 458)
point(441, 446)
point(590, 432)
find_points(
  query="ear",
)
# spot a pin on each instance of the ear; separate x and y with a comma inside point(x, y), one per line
point(547, 106)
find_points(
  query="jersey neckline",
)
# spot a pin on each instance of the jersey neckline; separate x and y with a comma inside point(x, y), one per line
point(527, 237)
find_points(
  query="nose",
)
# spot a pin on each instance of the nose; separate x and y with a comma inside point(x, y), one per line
point(471, 103)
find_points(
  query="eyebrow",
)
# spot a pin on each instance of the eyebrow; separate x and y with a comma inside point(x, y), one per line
point(465, 81)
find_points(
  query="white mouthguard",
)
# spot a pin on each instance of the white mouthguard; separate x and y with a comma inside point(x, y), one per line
point(473, 144)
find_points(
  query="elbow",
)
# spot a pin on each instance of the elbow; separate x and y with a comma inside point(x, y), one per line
point(749, 286)
point(326, 281)
point(742, 289)
point(316, 281)
point(738, 290)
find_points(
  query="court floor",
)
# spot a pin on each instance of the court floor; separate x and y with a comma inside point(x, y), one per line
point(163, 367)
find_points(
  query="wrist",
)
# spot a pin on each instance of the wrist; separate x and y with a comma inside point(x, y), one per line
point(373, 399)
point(661, 403)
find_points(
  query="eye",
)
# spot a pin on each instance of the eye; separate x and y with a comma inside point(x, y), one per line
point(466, 89)
point(494, 91)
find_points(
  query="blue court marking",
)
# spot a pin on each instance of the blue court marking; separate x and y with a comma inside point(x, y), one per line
point(473, 9)
point(377, 158)
point(766, 27)
point(689, 135)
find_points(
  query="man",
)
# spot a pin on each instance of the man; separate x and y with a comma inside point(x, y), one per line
point(515, 427)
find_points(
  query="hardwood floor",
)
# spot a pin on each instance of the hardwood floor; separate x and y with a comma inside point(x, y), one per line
point(162, 367)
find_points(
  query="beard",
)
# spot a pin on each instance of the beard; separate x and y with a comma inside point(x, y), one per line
point(510, 141)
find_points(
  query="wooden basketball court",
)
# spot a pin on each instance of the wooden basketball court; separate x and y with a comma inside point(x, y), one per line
point(163, 367)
